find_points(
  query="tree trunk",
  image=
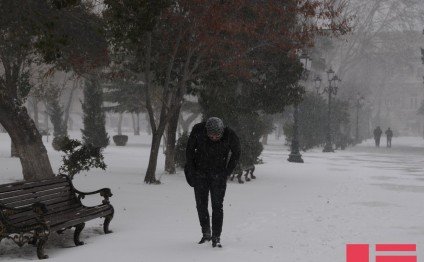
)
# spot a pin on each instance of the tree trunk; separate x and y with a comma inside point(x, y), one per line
point(165, 138)
point(265, 139)
point(149, 126)
point(136, 126)
point(67, 111)
point(154, 151)
point(13, 150)
point(170, 143)
point(46, 121)
point(35, 109)
point(27, 140)
point(180, 127)
point(120, 124)
point(279, 131)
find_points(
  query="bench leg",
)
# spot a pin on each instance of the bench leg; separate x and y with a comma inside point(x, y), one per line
point(77, 232)
point(108, 218)
point(41, 236)
point(239, 177)
point(251, 174)
point(246, 176)
point(40, 248)
point(34, 239)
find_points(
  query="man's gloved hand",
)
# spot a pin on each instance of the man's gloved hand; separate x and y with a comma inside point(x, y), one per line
point(227, 173)
point(189, 174)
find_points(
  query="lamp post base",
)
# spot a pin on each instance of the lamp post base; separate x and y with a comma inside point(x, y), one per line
point(295, 158)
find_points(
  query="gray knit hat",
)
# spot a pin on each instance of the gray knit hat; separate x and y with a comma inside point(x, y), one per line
point(214, 126)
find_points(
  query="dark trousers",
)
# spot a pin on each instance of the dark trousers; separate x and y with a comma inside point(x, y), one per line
point(216, 186)
point(377, 141)
point(389, 142)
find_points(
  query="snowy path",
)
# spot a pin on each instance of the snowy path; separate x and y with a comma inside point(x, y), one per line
point(292, 212)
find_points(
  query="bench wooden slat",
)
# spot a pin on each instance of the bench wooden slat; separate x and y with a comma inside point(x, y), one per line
point(50, 207)
point(47, 200)
point(31, 191)
point(25, 185)
point(70, 215)
point(35, 196)
point(53, 207)
point(66, 202)
point(75, 214)
point(32, 219)
point(81, 220)
point(60, 209)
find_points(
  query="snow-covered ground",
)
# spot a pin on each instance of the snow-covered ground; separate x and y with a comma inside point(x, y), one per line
point(292, 212)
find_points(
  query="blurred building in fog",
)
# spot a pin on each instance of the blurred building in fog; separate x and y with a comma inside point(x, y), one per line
point(397, 100)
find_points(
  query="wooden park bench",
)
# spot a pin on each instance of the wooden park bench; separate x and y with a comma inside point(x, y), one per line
point(30, 211)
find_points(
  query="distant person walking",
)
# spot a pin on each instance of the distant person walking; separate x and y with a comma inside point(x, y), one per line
point(377, 136)
point(389, 135)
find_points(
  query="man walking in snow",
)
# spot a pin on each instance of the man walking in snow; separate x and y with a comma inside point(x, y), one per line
point(377, 136)
point(389, 135)
point(207, 170)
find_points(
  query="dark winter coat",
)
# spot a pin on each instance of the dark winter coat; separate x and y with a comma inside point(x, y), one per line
point(208, 158)
point(377, 133)
point(389, 133)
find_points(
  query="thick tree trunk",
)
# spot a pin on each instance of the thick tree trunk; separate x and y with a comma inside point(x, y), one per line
point(154, 152)
point(149, 126)
point(171, 141)
point(136, 126)
point(27, 140)
point(120, 124)
point(13, 150)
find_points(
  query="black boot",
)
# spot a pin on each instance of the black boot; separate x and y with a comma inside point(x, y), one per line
point(216, 242)
point(205, 238)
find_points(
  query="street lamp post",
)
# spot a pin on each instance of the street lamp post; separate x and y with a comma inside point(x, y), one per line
point(295, 155)
point(333, 81)
point(359, 101)
point(317, 82)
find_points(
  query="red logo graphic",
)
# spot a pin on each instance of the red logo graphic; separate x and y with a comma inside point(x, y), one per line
point(361, 252)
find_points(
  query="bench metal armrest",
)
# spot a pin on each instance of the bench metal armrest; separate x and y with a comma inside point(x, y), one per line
point(104, 192)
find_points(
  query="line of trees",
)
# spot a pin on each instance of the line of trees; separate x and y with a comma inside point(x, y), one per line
point(169, 47)
point(177, 44)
